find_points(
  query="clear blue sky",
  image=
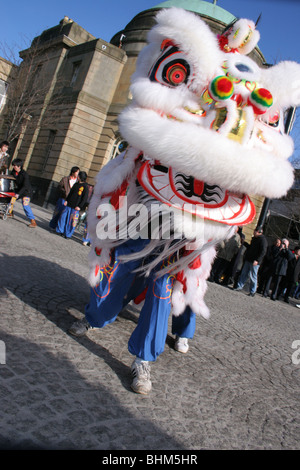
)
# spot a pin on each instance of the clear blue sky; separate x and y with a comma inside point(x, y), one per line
point(22, 20)
point(279, 25)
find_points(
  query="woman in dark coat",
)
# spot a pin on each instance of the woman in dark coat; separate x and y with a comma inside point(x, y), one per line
point(281, 265)
point(64, 187)
point(267, 269)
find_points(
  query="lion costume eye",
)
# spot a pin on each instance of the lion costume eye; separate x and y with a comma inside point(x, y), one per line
point(171, 68)
point(273, 120)
point(175, 74)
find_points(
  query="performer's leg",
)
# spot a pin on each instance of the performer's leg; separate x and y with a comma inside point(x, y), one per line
point(137, 290)
point(184, 325)
point(148, 339)
point(109, 297)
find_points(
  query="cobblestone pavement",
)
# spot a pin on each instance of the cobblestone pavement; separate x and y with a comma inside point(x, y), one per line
point(237, 388)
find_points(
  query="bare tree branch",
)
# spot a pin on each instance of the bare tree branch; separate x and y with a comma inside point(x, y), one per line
point(28, 93)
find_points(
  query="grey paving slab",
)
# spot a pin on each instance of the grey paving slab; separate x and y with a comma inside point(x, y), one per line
point(237, 388)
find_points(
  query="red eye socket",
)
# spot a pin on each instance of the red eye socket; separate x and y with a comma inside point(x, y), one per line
point(176, 74)
point(171, 68)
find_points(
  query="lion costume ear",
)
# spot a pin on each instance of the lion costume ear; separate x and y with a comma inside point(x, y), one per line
point(283, 80)
point(239, 36)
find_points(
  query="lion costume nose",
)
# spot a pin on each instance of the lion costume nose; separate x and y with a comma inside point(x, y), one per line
point(260, 100)
point(221, 88)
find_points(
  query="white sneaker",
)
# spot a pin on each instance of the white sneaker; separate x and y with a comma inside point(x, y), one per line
point(140, 371)
point(181, 345)
point(297, 305)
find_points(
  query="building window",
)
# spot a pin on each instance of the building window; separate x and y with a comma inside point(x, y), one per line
point(3, 90)
point(32, 78)
point(76, 67)
point(118, 147)
point(51, 138)
point(37, 73)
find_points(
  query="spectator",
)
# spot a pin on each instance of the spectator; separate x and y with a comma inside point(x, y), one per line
point(4, 157)
point(76, 201)
point(23, 189)
point(253, 258)
point(297, 289)
point(267, 268)
point(280, 267)
point(227, 250)
point(64, 187)
point(86, 238)
point(236, 263)
point(292, 274)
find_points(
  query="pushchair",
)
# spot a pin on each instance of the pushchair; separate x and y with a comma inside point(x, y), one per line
point(7, 195)
point(81, 224)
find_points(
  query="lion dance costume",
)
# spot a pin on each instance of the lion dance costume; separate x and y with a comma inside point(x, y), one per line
point(205, 130)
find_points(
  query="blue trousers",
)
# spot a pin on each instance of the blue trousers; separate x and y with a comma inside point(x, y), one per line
point(119, 285)
point(249, 271)
point(27, 209)
point(67, 222)
point(57, 212)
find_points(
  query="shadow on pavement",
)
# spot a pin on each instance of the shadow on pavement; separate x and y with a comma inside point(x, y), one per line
point(54, 408)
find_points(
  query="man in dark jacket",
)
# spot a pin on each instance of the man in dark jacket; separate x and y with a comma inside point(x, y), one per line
point(253, 258)
point(23, 189)
point(76, 200)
